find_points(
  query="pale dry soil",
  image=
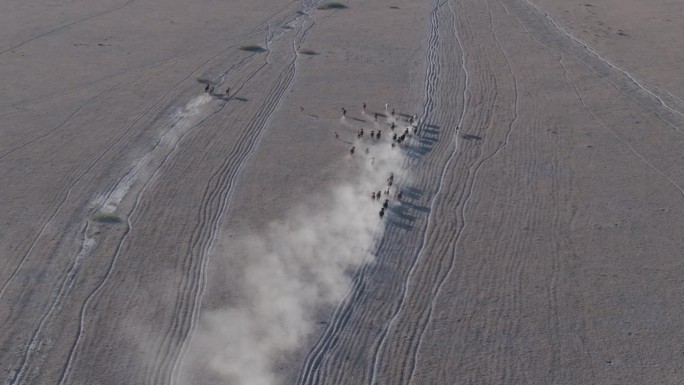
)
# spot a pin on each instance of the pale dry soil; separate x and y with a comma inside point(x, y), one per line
point(540, 240)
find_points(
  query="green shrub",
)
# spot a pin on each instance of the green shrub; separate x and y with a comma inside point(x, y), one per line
point(252, 48)
point(105, 217)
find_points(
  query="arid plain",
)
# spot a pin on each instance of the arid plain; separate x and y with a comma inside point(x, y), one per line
point(156, 233)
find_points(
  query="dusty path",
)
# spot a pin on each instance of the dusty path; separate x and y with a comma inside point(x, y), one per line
point(538, 240)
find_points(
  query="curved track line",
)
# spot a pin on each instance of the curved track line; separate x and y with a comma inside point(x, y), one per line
point(66, 369)
point(50, 131)
point(118, 248)
point(603, 77)
point(436, 292)
point(600, 122)
point(124, 236)
point(144, 114)
point(560, 53)
point(645, 107)
point(86, 247)
point(601, 57)
point(29, 347)
point(310, 372)
point(225, 194)
point(67, 25)
point(78, 179)
point(381, 344)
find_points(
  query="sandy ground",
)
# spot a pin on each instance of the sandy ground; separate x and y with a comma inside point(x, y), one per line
point(538, 240)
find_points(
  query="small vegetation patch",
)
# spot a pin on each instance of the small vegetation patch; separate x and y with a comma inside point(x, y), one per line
point(104, 217)
point(332, 5)
point(308, 52)
point(252, 48)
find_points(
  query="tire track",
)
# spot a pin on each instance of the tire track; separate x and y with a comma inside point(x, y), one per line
point(89, 101)
point(310, 373)
point(556, 365)
point(576, 90)
point(291, 73)
point(221, 77)
point(67, 119)
point(107, 150)
point(239, 38)
point(618, 137)
point(99, 288)
point(437, 289)
point(650, 95)
point(432, 78)
point(87, 247)
point(565, 243)
point(313, 365)
point(480, 105)
point(76, 263)
point(603, 76)
point(431, 269)
point(67, 26)
point(222, 193)
point(243, 141)
point(602, 58)
point(339, 340)
point(61, 293)
point(70, 189)
point(227, 181)
point(87, 170)
point(67, 195)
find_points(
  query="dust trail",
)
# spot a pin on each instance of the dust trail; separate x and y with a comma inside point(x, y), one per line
point(182, 120)
point(294, 268)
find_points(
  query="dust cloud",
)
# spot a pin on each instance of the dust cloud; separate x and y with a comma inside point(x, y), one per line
point(300, 264)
